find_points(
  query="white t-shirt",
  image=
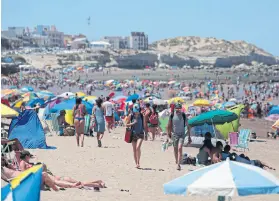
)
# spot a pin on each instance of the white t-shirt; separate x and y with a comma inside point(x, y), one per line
point(109, 108)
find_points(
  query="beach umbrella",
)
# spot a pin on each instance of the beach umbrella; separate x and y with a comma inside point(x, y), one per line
point(134, 96)
point(227, 178)
point(90, 99)
point(35, 101)
point(89, 86)
point(27, 89)
point(66, 95)
point(233, 100)
point(112, 94)
point(272, 117)
point(213, 117)
point(186, 89)
point(7, 111)
point(80, 94)
point(274, 110)
point(6, 92)
point(26, 186)
point(42, 94)
point(108, 82)
point(119, 98)
point(69, 105)
point(176, 100)
point(201, 102)
point(12, 87)
point(29, 96)
point(229, 104)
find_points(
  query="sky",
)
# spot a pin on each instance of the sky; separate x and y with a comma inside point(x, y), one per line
point(255, 21)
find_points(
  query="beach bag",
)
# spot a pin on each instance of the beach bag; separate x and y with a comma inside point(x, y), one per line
point(69, 131)
point(128, 135)
point(154, 119)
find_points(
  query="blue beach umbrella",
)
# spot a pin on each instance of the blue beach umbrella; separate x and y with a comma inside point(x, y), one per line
point(227, 178)
point(27, 89)
point(229, 104)
point(43, 94)
point(134, 96)
point(69, 105)
point(274, 110)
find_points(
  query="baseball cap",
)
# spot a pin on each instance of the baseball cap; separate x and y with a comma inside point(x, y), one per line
point(178, 106)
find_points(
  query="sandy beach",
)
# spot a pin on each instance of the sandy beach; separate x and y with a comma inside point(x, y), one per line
point(114, 164)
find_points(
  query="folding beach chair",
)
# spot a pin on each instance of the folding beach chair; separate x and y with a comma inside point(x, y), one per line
point(233, 136)
point(243, 139)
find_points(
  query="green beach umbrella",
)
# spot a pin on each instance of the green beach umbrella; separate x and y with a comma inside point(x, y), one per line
point(213, 117)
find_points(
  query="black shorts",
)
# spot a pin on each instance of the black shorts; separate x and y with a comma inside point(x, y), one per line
point(135, 136)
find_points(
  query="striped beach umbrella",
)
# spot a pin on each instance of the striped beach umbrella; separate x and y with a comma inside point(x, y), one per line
point(227, 178)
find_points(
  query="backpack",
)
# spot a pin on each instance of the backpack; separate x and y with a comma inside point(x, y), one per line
point(154, 119)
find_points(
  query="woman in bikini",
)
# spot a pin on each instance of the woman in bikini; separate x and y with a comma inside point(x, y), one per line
point(63, 182)
point(79, 111)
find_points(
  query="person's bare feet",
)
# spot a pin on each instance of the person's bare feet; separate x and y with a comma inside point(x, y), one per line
point(77, 185)
point(138, 166)
point(178, 167)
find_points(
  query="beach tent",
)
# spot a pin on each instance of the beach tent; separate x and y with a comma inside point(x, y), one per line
point(233, 126)
point(25, 187)
point(7, 111)
point(69, 105)
point(274, 110)
point(28, 129)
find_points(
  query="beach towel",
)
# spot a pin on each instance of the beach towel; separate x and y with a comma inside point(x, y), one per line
point(54, 122)
point(87, 119)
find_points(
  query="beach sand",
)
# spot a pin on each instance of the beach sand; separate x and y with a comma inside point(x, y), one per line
point(116, 167)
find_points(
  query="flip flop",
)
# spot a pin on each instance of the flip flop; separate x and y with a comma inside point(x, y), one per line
point(99, 143)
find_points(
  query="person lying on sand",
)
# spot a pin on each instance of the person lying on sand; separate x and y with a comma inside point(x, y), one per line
point(64, 182)
point(243, 159)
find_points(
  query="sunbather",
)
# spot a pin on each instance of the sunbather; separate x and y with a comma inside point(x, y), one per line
point(244, 159)
point(65, 182)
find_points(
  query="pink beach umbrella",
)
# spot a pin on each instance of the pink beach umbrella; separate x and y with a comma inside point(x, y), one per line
point(272, 117)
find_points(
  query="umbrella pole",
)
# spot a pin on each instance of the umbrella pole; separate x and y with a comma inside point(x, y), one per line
point(232, 126)
point(213, 129)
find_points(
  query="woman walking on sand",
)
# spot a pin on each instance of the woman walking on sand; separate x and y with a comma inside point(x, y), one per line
point(79, 111)
point(153, 122)
point(99, 124)
point(135, 120)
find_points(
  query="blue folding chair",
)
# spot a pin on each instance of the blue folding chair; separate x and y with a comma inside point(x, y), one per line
point(243, 139)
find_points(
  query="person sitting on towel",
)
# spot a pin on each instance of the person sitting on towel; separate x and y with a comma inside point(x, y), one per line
point(62, 122)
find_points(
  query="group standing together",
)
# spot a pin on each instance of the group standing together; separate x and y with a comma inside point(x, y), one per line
point(141, 119)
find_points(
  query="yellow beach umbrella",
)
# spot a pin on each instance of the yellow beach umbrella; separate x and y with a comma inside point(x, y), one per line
point(201, 102)
point(18, 103)
point(80, 94)
point(176, 100)
point(90, 97)
point(7, 111)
